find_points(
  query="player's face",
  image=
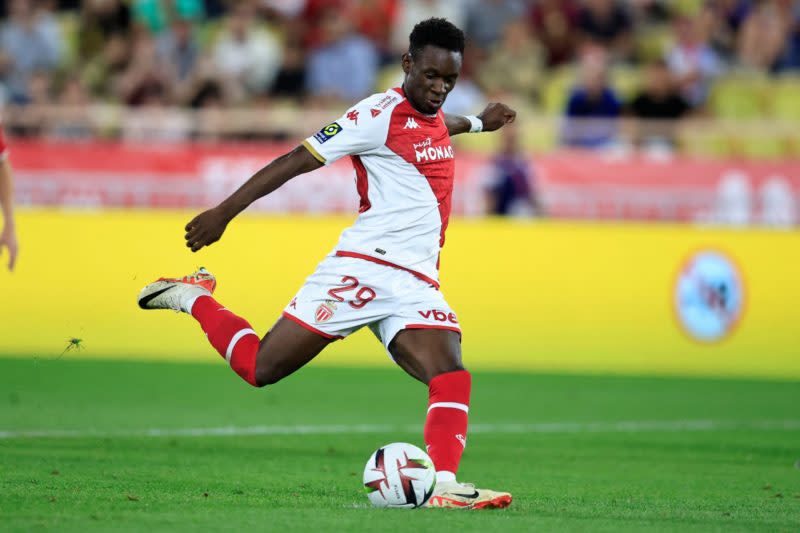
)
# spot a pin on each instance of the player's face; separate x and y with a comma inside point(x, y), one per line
point(430, 76)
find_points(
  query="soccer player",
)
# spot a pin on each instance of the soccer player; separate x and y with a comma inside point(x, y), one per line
point(8, 237)
point(383, 273)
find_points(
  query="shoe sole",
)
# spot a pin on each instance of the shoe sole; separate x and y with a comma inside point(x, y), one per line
point(501, 502)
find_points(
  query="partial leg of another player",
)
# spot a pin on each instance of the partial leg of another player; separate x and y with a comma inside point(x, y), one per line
point(283, 350)
point(433, 356)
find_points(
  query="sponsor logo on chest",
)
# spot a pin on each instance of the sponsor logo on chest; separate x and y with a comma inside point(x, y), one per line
point(425, 151)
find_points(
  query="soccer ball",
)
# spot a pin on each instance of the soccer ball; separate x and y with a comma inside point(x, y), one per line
point(399, 475)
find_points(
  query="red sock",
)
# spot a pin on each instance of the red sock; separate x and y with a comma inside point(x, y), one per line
point(230, 335)
point(446, 425)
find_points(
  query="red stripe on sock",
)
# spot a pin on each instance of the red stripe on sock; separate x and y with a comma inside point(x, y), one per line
point(446, 428)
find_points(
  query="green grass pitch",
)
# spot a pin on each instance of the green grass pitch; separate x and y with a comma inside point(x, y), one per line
point(112, 446)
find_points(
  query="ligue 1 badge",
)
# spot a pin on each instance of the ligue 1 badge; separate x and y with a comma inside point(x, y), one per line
point(709, 296)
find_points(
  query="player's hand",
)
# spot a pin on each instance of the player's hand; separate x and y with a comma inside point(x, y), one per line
point(8, 239)
point(497, 115)
point(206, 228)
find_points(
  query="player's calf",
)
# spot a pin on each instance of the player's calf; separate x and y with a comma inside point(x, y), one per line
point(231, 335)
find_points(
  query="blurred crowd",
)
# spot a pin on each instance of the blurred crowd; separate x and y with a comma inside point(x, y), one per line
point(208, 55)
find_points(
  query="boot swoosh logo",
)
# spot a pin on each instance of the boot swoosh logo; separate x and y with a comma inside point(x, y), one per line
point(473, 495)
point(144, 301)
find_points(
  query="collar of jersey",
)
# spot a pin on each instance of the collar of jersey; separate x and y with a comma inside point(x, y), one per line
point(402, 93)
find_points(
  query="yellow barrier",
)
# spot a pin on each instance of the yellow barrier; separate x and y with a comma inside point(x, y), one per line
point(530, 295)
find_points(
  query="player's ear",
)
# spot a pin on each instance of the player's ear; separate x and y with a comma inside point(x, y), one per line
point(406, 62)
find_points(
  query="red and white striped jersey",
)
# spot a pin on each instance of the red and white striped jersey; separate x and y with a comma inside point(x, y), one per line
point(404, 166)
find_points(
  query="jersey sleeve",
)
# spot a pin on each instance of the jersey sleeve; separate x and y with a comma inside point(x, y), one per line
point(357, 131)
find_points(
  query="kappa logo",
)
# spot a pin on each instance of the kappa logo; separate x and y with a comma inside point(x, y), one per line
point(411, 124)
point(353, 115)
point(293, 303)
point(375, 112)
point(462, 439)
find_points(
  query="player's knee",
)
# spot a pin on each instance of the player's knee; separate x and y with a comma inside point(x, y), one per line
point(444, 368)
point(268, 373)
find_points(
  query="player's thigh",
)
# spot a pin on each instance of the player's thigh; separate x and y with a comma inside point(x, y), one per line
point(286, 347)
point(426, 353)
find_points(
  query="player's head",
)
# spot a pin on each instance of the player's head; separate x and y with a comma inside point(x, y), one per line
point(432, 63)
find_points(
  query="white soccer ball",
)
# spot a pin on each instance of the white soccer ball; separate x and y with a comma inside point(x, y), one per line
point(399, 475)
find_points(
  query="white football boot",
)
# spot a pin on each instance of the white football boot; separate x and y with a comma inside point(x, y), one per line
point(455, 495)
point(177, 293)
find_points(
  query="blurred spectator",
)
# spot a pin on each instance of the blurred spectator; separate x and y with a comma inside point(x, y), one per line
point(659, 105)
point(412, 11)
point(100, 20)
point(593, 107)
point(49, 25)
point(693, 61)
point(291, 78)
point(374, 20)
point(179, 48)
point(104, 69)
point(509, 188)
point(26, 45)
point(145, 75)
point(649, 12)
point(155, 15)
point(514, 64)
point(31, 120)
point(607, 23)
point(249, 55)
point(345, 64)
point(487, 18)
point(764, 35)
point(555, 23)
point(725, 17)
point(466, 98)
point(206, 88)
point(790, 57)
point(287, 9)
point(72, 121)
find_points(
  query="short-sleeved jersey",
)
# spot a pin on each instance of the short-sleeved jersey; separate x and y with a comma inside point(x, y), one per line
point(404, 166)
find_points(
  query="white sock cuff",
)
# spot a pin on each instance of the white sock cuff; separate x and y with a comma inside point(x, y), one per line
point(443, 476)
point(452, 405)
point(190, 302)
point(237, 336)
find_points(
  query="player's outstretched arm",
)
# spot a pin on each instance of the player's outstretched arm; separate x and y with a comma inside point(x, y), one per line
point(207, 227)
point(494, 117)
point(8, 236)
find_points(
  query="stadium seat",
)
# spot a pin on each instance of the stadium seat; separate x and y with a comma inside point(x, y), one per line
point(653, 43)
point(626, 81)
point(739, 97)
point(784, 98)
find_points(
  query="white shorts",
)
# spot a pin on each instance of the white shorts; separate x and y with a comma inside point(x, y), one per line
point(346, 293)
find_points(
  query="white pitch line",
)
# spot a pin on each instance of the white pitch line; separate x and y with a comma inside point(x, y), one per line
point(625, 426)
